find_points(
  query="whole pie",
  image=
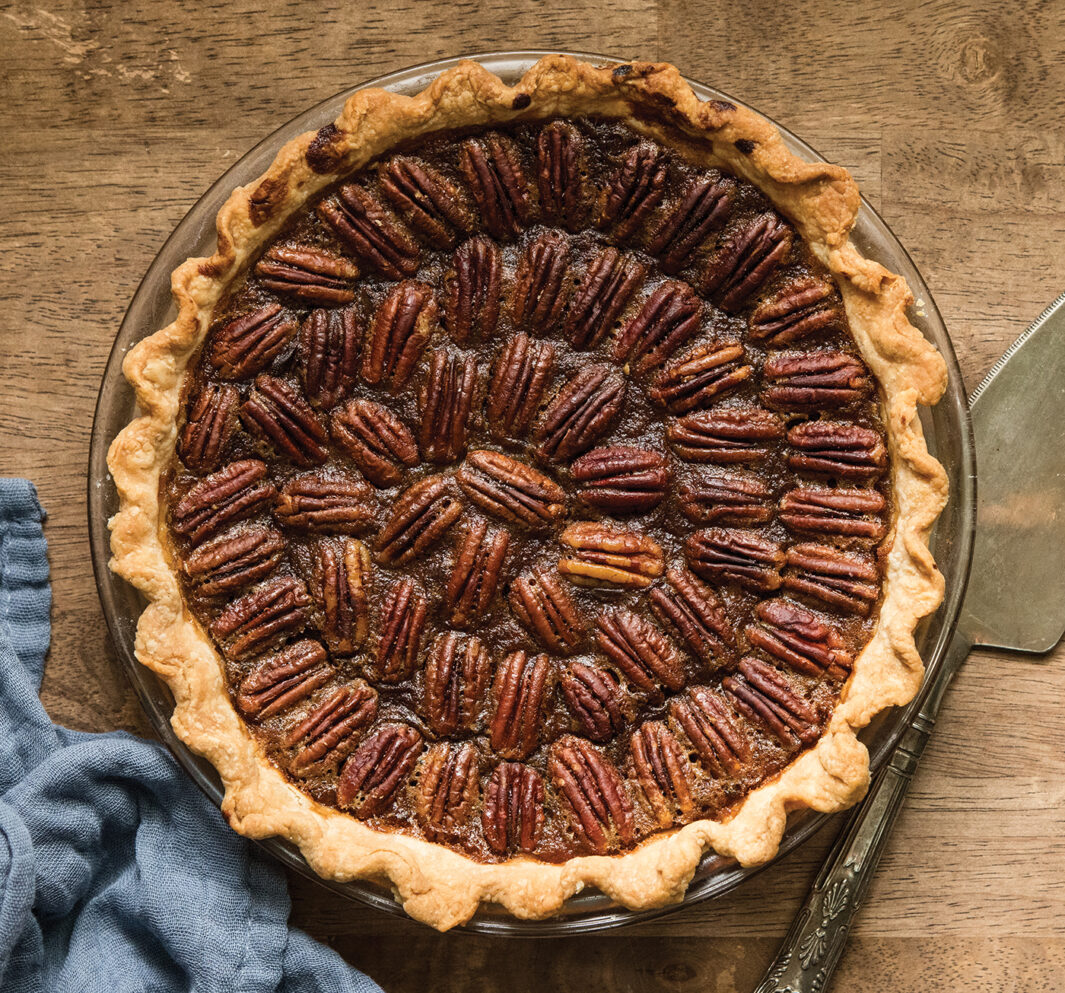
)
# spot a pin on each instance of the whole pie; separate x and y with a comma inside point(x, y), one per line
point(530, 492)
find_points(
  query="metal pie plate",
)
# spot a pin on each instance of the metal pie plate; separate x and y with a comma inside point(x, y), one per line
point(946, 426)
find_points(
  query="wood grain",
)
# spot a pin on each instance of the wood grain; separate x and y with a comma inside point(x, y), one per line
point(118, 115)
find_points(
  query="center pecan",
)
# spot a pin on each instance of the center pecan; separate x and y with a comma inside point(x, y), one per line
point(603, 555)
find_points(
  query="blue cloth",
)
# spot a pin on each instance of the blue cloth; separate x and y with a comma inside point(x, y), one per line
point(116, 873)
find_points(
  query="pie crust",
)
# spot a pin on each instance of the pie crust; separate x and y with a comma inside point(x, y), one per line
point(435, 884)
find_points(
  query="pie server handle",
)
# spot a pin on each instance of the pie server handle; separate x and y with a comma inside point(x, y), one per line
point(818, 935)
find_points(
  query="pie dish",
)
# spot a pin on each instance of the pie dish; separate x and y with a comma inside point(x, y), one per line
point(350, 412)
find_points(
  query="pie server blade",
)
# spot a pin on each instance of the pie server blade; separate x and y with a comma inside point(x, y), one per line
point(1016, 593)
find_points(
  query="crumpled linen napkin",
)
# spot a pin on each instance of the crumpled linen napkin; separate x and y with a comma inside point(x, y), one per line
point(116, 873)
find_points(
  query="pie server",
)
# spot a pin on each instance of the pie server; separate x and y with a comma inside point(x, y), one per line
point(1015, 600)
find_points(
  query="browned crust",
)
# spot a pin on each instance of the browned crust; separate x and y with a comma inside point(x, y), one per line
point(435, 884)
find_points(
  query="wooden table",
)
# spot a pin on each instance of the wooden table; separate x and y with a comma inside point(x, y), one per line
point(117, 116)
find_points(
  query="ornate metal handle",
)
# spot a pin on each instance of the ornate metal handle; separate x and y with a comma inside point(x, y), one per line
point(818, 935)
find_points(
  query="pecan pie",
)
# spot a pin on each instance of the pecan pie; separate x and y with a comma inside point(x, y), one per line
point(530, 492)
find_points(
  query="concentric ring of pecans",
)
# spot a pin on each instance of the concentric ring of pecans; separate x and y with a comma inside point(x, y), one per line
point(532, 491)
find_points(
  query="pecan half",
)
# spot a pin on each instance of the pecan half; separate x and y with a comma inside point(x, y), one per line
point(746, 260)
point(609, 284)
point(603, 555)
point(429, 202)
point(848, 581)
point(447, 789)
point(340, 580)
point(702, 209)
point(262, 618)
point(308, 274)
point(472, 291)
point(667, 319)
point(851, 513)
point(375, 439)
point(707, 722)
point(519, 689)
point(622, 479)
point(642, 653)
point(332, 504)
point(815, 380)
point(247, 345)
point(519, 378)
point(209, 425)
point(701, 375)
point(513, 811)
point(732, 555)
point(582, 412)
point(282, 680)
point(831, 448)
point(421, 516)
point(725, 437)
point(634, 190)
point(696, 614)
point(331, 730)
point(559, 168)
point(377, 238)
point(797, 310)
point(238, 491)
point(595, 700)
point(401, 328)
point(402, 631)
point(279, 416)
point(329, 354)
point(446, 398)
point(494, 171)
point(800, 639)
point(475, 574)
point(663, 772)
point(234, 560)
point(541, 283)
point(599, 804)
point(511, 490)
point(546, 609)
point(456, 678)
point(726, 499)
point(764, 695)
point(382, 763)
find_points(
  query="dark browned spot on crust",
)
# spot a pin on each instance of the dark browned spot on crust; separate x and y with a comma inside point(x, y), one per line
point(266, 198)
point(521, 101)
point(745, 145)
point(322, 155)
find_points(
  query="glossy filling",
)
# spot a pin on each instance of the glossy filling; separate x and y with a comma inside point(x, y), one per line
point(533, 490)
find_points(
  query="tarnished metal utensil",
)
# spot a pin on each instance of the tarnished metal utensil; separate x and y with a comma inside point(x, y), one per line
point(1015, 600)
